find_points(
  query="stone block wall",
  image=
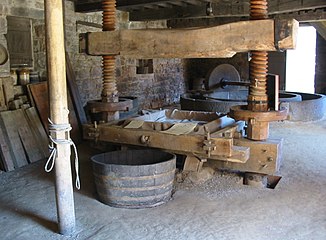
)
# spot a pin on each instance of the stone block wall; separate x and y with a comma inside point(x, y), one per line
point(160, 88)
point(5, 68)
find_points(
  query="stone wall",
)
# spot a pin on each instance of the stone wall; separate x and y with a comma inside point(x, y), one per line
point(162, 87)
point(5, 68)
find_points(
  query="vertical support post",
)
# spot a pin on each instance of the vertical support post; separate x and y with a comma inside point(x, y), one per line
point(59, 113)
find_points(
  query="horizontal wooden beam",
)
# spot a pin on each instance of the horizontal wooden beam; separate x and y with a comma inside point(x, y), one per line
point(220, 9)
point(321, 28)
point(214, 42)
point(265, 157)
point(125, 5)
point(189, 144)
point(315, 15)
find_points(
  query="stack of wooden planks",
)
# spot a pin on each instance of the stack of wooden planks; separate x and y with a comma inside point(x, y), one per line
point(24, 113)
point(23, 139)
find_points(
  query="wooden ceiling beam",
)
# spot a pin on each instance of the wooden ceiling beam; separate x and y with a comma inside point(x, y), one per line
point(306, 16)
point(130, 5)
point(227, 9)
point(167, 9)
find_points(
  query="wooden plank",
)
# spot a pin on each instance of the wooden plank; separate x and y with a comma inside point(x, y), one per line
point(6, 154)
point(3, 105)
point(38, 130)
point(30, 96)
point(8, 89)
point(75, 132)
point(11, 127)
point(74, 93)
point(32, 148)
point(39, 92)
point(214, 42)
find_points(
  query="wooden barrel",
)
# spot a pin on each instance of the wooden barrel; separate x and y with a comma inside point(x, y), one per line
point(134, 178)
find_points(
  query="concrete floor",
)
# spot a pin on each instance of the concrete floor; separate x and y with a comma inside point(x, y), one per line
point(221, 208)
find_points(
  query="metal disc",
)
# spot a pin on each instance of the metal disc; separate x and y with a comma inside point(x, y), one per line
point(3, 55)
point(223, 71)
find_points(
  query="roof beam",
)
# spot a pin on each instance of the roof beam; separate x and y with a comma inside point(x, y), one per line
point(224, 9)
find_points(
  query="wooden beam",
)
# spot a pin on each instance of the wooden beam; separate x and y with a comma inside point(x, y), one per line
point(55, 53)
point(187, 144)
point(315, 15)
point(127, 5)
point(265, 157)
point(321, 28)
point(215, 42)
point(74, 92)
point(220, 9)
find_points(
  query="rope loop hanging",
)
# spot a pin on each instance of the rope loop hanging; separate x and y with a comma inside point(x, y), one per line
point(65, 128)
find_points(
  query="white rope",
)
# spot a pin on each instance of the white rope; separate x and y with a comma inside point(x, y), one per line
point(55, 128)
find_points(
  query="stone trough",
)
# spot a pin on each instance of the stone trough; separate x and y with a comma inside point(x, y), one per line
point(302, 106)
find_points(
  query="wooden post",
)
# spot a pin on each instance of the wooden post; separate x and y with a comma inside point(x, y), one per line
point(59, 113)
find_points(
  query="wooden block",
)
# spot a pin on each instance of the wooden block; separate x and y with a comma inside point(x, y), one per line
point(38, 130)
point(10, 126)
point(23, 98)
point(8, 88)
point(265, 157)
point(213, 42)
point(192, 164)
point(18, 90)
point(15, 104)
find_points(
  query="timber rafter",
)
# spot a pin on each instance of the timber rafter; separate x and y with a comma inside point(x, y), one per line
point(141, 10)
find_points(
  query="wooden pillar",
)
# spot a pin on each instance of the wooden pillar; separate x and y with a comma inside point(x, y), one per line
point(59, 113)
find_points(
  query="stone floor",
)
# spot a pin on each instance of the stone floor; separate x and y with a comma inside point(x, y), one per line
point(220, 208)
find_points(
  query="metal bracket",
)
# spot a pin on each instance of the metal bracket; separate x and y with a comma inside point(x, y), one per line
point(94, 132)
point(209, 144)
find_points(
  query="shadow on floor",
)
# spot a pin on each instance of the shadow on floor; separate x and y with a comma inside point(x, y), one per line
point(18, 210)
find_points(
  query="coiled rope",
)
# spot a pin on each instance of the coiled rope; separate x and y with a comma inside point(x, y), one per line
point(56, 128)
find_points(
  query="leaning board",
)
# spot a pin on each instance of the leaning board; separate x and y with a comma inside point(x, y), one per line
point(10, 126)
